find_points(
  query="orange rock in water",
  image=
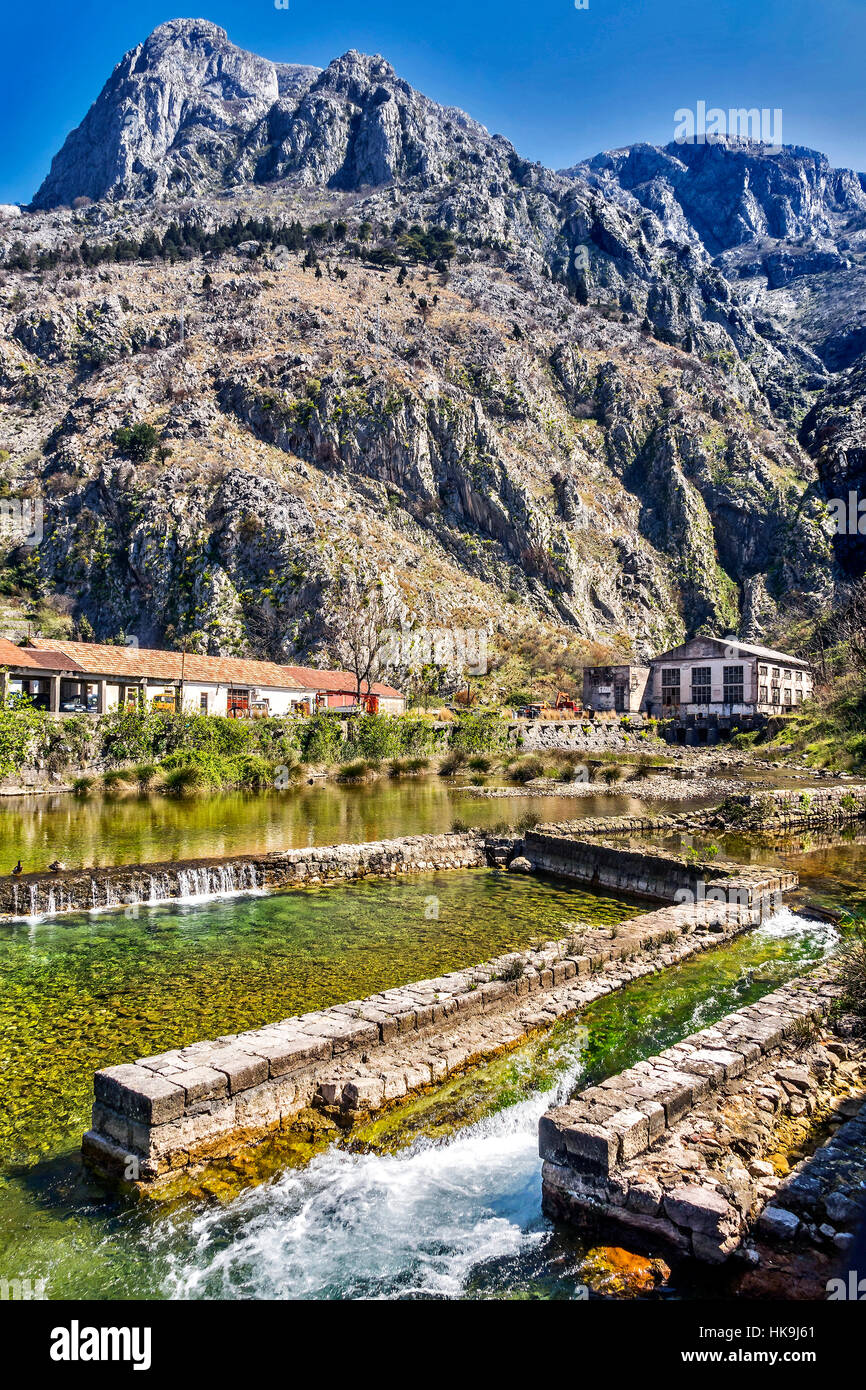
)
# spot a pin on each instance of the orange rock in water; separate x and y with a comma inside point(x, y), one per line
point(619, 1273)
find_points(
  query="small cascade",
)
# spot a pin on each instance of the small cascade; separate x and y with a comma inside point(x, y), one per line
point(247, 880)
point(119, 888)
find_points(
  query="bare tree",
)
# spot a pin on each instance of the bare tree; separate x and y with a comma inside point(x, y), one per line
point(852, 625)
point(363, 620)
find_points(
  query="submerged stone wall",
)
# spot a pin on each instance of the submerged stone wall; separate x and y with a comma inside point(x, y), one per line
point(194, 1103)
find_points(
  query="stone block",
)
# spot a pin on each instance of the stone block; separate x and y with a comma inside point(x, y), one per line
point(700, 1209)
point(632, 1126)
point(242, 1069)
point(776, 1223)
point(577, 1143)
point(112, 1125)
point(716, 1063)
point(139, 1093)
point(644, 1197)
point(364, 1093)
point(655, 1114)
point(203, 1083)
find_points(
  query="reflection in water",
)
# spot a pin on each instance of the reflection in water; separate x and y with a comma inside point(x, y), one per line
point(141, 830)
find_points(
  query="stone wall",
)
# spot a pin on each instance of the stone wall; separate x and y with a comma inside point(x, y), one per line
point(820, 1202)
point(583, 735)
point(796, 807)
point(77, 891)
point(649, 872)
point(659, 1149)
point(190, 1104)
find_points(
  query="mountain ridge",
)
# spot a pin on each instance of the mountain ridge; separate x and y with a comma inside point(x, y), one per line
point(424, 353)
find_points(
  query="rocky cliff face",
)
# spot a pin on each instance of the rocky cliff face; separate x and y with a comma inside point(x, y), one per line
point(834, 432)
point(173, 117)
point(786, 230)
point(479, 377)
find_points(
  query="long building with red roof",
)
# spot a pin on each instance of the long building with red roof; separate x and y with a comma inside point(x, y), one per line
point(70, 677)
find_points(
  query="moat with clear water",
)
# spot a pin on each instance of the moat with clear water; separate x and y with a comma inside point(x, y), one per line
point(437, 1198)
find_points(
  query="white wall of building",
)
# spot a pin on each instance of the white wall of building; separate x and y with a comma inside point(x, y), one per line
point(280, 701)
point(757, 688)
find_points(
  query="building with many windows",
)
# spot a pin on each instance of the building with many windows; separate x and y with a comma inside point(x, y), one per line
point(722, 676)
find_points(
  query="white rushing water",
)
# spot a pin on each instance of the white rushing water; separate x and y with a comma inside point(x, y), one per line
point(411, 1224)
point(193, 885)
point(419, 1223)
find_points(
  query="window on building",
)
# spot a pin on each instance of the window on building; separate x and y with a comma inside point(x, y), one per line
point(670, 686)
point(776, 673)
point(702, 685)
point(774, 695)
point(732, 693)
point(787, 675)
point(798, 677)
point(762, 671)
point(786, 697)
point(202, 700)
point(762, 695)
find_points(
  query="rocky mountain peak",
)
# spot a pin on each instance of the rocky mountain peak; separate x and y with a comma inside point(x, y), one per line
point(728, 192)
point(188, 112)
point(175, 110)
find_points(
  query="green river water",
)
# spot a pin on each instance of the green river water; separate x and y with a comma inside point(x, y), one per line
point(143, 829)
point(440, 1198)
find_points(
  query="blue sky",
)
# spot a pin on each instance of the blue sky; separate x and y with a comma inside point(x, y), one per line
point(560, 83)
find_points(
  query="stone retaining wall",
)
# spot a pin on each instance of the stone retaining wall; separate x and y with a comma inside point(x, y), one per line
point(609, 826)
point(210, 1099)
point(799, 807)
point(78, 891)
point(821, 1202)
point(649, 872)
point(582, 735)
point(652, 1149)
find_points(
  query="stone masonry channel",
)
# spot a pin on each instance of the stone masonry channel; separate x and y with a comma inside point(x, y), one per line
point(675, 1148)
point(211, 1099)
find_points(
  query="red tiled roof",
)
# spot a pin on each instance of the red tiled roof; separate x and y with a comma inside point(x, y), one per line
point(9, 653)
point(137, 663)
point(46, 660)
point(339, 682)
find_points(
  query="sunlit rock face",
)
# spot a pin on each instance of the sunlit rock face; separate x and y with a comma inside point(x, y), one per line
point(590, 405)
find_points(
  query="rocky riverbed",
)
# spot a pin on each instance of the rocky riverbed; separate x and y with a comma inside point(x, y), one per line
point(652, 788)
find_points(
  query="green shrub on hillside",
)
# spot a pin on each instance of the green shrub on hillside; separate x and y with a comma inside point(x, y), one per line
point(21, 728)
